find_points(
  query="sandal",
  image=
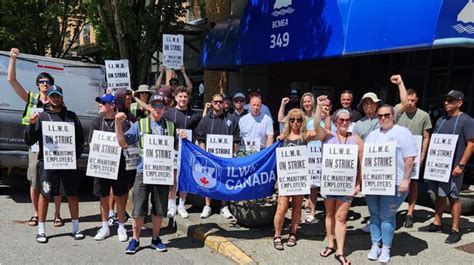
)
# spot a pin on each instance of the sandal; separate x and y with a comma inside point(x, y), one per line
point(58, 222)
point(343, 261)
point(291, 240)
point(327, 251)
point(33, 221)
point(277, 244)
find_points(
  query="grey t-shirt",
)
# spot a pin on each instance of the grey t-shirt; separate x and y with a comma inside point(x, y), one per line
point(462, 125)
point(364, 126)
point(417, 122)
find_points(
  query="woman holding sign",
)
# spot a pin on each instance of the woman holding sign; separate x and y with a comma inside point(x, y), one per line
point(337, 206)
point(294, 134)
point(382, 205)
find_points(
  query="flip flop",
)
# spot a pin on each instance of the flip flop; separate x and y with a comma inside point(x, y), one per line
point(33, 221)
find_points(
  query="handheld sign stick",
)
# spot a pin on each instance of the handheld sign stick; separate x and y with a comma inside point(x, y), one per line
point(143, 104)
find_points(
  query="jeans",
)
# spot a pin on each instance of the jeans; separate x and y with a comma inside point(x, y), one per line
point(382, 210)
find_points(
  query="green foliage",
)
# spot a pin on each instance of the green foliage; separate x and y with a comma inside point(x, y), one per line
point(41, 26)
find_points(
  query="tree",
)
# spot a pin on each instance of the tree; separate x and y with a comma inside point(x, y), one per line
point(41, 26)
point(133, 29)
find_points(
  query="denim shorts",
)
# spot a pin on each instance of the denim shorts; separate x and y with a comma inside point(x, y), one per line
point(347, 199)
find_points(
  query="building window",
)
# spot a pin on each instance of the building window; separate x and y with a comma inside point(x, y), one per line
point(86, 34)
point(196, 11)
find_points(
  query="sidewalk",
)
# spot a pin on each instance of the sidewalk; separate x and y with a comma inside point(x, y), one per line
point(244, 245)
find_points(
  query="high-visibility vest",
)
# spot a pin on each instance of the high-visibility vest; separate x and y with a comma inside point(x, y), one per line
point(144, 126)
point(33, 99)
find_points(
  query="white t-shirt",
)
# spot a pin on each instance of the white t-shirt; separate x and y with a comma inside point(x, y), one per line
point(406, 145)
point(260, 127)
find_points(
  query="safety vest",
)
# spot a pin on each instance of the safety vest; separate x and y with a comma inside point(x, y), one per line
point(144, 126)
point(33, 99)
point(134, 108)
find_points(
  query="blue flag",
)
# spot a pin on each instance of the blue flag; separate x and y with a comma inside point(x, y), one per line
point(231, 179)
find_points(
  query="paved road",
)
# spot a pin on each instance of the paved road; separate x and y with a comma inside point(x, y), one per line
point(19, 245)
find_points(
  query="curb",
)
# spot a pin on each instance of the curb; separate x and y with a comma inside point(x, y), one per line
point(220, 244)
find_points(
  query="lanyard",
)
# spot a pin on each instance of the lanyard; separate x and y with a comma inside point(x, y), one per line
point(455, 124)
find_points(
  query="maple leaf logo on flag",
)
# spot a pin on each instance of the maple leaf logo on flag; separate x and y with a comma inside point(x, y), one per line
point(204, 181)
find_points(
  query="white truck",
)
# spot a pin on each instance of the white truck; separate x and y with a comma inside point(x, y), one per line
point(81, 83)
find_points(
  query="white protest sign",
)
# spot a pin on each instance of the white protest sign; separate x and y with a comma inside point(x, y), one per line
point(440, 157)
point(379, 169)
point(104, 156)
point(314, 162)
point(173, 50)
point(292, 170)
point(132, 154)
point(118, 74)
point(415, 174)
point(219, 145)
point(339, 169)
point(59, 145)
point(35, 148)
point(251, 144)
point(158, 156)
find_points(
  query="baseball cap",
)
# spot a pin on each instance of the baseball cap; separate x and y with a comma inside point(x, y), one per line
point(456, 94)
point(253, 90)
point(295, 93)
point(239, 95)
point(165, 91)
point(105, 98)
point(157, 97)
point(228, 97)
point(143, 89)
point(370, 95)
point(55, 90)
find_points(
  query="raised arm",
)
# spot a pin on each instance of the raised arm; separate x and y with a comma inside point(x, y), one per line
point(189, 84)
point(320, 132)
point(11, 77)
point(281, 111)
point(119, 118)
point(160, 78)
point(397, 80)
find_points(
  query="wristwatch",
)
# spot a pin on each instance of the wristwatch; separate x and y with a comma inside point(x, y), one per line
point(462, 166)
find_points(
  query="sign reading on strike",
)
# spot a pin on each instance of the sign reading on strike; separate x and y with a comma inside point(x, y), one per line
point(132, 154)
point(104, 156)
point(158, 156)
point(118, 74)
point(378, 169)
point(173, 50)
point(314, 162)
point(219, 145)
point(292, 170)
point(339, 169)
point(59, 145)
point(440, 157)
point(415, 174)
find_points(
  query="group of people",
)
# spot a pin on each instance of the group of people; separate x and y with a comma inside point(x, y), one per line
point(165, 110)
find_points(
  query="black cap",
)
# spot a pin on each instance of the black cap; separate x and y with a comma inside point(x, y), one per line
point(455, 94)
point(295, 93)
point(253, 90)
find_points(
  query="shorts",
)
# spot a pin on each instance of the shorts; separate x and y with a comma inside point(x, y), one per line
point(347, 199)
point(119, 187)
point(31, 173)
point(141, 194)
point(451, 189)
point(50, 181)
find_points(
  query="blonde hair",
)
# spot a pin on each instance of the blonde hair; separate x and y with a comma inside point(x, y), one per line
point(295, 113)
point(313, 102)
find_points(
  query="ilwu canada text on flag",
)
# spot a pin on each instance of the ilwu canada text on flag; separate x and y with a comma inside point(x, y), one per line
point(233, 179)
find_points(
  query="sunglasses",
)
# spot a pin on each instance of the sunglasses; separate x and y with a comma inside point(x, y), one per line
point(450, 100)
point(174, 84)
point(128, 92)
point(239, 100)
point(44, 82)
point(343, 120)
point(385, 116)
point(158, 105)
point(293, 120)
point(217, 101)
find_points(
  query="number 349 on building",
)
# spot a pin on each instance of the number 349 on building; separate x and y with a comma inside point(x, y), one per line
point(279, 40)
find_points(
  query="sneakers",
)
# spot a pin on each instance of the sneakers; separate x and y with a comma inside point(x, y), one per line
point(225, 212)
point(102, 233)
point(384, 255)
point(454, 237)
point(366, 228)
point(409, 221)
point(78, 235)
point(182, 212)
point(431, 228)
point(132, 247)
point(158, 245)
point(112, 220)
point(122, 234)
point(374, 252)
point(171, 212)
point(41, 238)
point(206, 212)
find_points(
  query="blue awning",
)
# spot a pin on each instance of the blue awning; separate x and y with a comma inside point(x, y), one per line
point(289, 30)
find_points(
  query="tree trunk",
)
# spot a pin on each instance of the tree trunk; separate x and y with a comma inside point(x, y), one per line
point(122, 44)
point(105, 22)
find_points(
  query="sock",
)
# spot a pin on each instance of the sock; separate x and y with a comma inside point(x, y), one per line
point(75, 225)
point(40, 228)
point(121, 225)
point(171, 203)
point(181, 202)
point(111, 213)
point(105, 224)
